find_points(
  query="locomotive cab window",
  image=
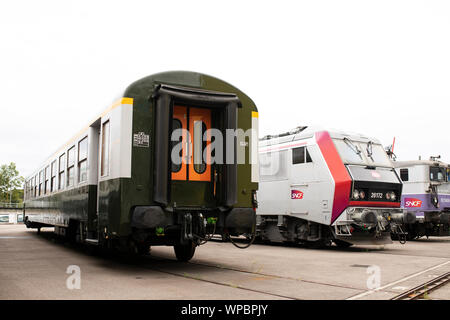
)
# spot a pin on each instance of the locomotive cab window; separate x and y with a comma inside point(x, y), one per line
point(437, 174)
point(300, 155)
point(82, 160)
point(70, 167)
point(404, 174)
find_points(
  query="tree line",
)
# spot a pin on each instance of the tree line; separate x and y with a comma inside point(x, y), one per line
point(11, 184)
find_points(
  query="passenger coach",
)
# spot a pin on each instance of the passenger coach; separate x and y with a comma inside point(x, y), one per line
point(128, 180)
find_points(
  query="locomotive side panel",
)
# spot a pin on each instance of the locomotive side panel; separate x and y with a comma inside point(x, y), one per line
point(315, 182)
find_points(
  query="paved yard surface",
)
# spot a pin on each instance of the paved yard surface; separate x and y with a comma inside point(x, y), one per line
point(35, 266)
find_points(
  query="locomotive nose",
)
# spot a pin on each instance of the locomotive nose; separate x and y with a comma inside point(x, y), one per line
point(366, 216)
point(369, 217)
point(407, 217)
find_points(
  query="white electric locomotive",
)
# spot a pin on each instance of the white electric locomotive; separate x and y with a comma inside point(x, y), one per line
point(319, 186)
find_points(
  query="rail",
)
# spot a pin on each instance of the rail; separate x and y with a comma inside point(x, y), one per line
point(422, 291)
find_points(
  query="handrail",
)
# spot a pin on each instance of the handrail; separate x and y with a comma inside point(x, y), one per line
point(11, 205)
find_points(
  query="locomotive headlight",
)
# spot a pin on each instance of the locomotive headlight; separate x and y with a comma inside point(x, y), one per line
point(393, 196)
point(388, 195)
point(362, 194)
point(356, 194)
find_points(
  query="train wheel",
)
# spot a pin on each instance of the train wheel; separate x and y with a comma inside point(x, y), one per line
point(342, 244)
point(184, 252)
point(143, 249)
point(411, 236)
point(318, 244)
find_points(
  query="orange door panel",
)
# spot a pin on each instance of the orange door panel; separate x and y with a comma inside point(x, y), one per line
point(179, 121)
point(199, 123)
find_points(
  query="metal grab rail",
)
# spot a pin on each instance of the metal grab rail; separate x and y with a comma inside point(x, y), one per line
point(11, 205)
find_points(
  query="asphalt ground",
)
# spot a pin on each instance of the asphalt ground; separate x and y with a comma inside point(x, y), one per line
point(42, 266)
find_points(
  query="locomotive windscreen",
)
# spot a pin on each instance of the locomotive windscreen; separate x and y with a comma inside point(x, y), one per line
point(386, 175)
point(362, 153)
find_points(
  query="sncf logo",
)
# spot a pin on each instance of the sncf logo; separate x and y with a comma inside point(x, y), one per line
point(413, 203)
point(376, 174)
point(296, 194)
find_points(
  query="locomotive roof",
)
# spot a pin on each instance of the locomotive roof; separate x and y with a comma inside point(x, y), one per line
point(411, 163)
point(304, 132)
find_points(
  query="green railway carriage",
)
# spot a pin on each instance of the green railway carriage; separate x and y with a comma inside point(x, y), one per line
point(127, 181)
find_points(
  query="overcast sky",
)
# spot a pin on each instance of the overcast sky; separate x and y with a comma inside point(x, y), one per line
point(381, 68)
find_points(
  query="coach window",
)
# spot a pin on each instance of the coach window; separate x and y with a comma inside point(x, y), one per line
point(104, 168)
point(176, 124)
point(53, 179)
point(199, 146)
point(47, 180)
point(70, 166)
point(404, 174)
point(82, 160)
point(300, 155)
point(62, 169)
point(41, 182)
point(35, 186)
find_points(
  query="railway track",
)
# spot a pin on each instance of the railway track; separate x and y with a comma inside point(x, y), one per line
point(421, 292)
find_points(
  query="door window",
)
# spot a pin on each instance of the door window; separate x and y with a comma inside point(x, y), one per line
point(191, 159)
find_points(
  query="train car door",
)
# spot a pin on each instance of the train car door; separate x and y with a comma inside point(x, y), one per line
point(194, 165)
point(191, 169)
